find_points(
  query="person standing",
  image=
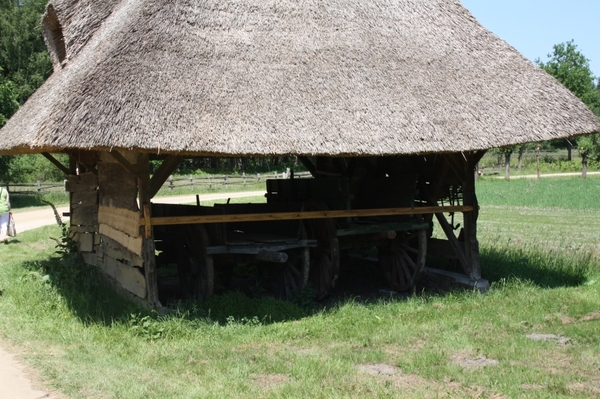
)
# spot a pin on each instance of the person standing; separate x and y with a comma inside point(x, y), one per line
point(4, 214)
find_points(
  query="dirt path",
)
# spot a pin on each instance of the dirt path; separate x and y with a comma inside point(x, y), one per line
point(15, 381)
point(27, 220)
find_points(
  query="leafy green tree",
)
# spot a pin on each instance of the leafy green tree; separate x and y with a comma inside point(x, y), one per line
point(8, 106)
point(23, 55)
point(8, 99)
point(570, 67)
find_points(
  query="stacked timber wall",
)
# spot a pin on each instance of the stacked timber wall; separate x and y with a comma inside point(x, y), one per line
point(105, 223)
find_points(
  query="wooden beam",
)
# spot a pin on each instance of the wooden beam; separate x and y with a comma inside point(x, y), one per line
point(259, 217)
point(125, 163)
point(470, 222)
point(59, 165)
point(148, 249)
point(162, 173)
point(456, 245)
point(308, 165)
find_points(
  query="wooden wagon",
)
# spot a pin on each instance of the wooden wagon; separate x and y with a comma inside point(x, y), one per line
point(297, 237)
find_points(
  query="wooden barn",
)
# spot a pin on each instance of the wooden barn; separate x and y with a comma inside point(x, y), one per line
point(389, 104)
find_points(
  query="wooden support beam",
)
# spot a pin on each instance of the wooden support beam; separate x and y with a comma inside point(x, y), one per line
point(308, 165)
point(133, 170)
point(456, 245)
point(59, 165)
point(162, 173)
point(258, 217)
point(148, 249)
point(470, 220)
point(455, 164)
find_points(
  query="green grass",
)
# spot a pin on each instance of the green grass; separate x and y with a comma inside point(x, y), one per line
point(545, 274)
point(563, 192)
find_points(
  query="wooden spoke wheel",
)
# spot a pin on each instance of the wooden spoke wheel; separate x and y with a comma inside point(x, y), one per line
point(195, 267)
point(404, 259)
point(288, 279)
point(325, 257)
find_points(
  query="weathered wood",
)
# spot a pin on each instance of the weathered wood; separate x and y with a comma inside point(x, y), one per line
point(130, 278)
point(308, 165)
point(256, 217)
point(162, 173)
point(84, 198)
point(85, 241)
point(445, 280)
point(115, 250)
point(470, 220)
point(132, 169)
point(148, 248)
point(133, 244)
point(116, 187)
point(83, 182)
point(93, 258)
point(84, 215)
point(56, 163)
point(83, 229)
point(121, 219)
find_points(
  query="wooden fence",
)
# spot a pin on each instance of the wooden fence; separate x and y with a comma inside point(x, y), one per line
point(199, 183)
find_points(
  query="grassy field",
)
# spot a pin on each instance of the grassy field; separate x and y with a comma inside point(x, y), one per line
point(533, 335)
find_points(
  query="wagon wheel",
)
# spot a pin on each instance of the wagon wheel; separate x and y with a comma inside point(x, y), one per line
point(195, 267)
point(404, 259)
point(325, 257)
point(290, 278)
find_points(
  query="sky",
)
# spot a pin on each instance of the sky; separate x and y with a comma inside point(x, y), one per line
point(533, 27)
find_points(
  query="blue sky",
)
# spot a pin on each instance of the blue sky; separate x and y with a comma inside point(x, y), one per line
point(534, 26)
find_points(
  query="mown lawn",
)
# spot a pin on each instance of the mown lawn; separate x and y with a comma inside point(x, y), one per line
point(534, 334)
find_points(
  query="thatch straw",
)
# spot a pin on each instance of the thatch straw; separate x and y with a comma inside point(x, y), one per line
point(259, 77)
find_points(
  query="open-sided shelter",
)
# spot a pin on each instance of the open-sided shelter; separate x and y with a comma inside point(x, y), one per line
point(373, 89)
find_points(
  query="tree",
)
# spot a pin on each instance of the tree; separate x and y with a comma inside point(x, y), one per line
point(23, 55)
point(570, 67)
point(8, 99)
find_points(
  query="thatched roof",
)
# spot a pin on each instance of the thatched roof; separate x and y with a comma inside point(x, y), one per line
point(266, 77)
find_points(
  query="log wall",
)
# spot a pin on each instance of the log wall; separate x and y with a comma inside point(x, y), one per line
point(105, 223)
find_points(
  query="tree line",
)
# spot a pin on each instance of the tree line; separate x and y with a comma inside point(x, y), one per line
point(25, 64)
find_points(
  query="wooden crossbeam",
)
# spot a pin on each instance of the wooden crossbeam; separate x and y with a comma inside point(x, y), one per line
point(162, 173)
point(56, 163)
point(258, 217)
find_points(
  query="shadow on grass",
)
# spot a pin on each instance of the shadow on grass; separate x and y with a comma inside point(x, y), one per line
point(92, 299)
point(96, 302)
point(545, 269)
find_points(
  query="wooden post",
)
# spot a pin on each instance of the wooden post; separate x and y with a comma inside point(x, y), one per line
point(147, 242)
point(470, 219)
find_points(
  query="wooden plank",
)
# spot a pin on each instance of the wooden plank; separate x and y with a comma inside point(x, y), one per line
point(83, 229)
point(258, 217)
point(162, 173)
point(84, 198)
point(445, 280)
point(56, 163)
point(85, 242)
point(123, 220)
point(133, 244)
point(129, 167)
point(106, 157)
point(117, 251)
point(83, 182)
point(92, 259)
point(117, 188)
point(130, 278)
point(84, 215)
point(148, 248)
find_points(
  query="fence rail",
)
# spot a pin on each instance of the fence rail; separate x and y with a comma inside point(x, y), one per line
point(213, 182)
